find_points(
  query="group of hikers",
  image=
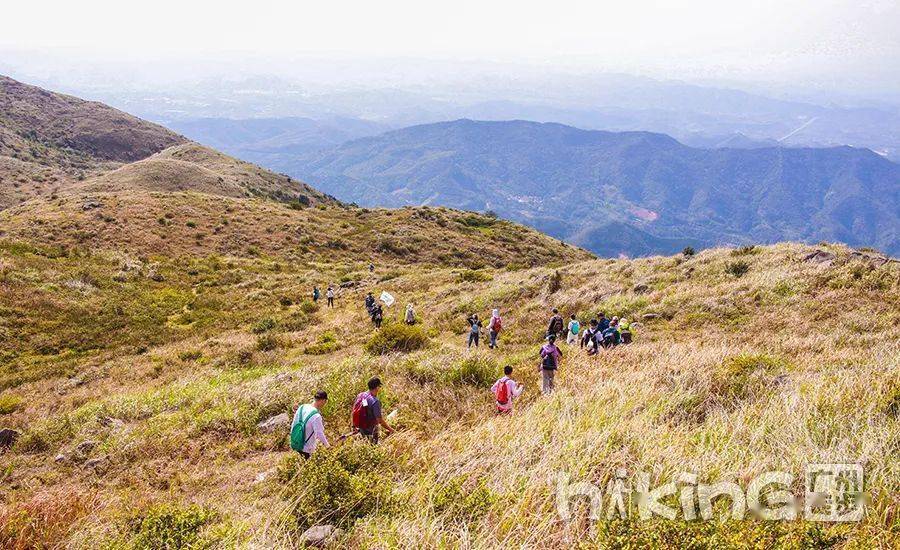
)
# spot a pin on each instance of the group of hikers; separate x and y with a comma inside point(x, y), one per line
point(366, 419)
point(329, 295)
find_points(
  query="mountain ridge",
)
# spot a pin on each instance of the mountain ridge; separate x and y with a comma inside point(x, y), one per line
point(566, 179)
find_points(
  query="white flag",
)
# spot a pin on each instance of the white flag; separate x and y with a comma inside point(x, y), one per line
point(387, 298)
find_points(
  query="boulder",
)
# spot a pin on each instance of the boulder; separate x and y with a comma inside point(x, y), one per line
point(60, 458)
point(319, 536)
point(8, 436)
point(99, 464)
point(873, 259)
point(275, 423)
point(819, 257)
point(649, 316)
point(348, 284)
point(91, 204)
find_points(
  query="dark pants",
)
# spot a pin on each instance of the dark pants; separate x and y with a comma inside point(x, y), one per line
point(473, 339)
point(371, 435)
point(626, 337)
point(305, 455)
point(494, 335)
point(331, 301)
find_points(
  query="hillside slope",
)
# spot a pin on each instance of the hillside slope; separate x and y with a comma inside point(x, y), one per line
point(572, 184)
point(138, 386)
point(48, 140)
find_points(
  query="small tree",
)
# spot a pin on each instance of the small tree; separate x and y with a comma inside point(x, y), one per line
point(689, 251)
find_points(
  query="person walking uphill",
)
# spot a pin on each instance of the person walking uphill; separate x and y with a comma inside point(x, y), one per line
point(329, 294)
point(550, 356)
point(316, 294)
point(377, 315)
point(410, 315)
point(308, 428)
point(495, 325)
point(505, 390)
point(370, 302)
point(366, 416)
point(474, 330)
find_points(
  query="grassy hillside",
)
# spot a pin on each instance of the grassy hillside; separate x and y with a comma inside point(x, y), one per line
point(137, 384)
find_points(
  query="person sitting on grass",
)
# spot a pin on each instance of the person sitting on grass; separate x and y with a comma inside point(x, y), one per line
point(505, 390)
point(366, 416)
point(308, 428)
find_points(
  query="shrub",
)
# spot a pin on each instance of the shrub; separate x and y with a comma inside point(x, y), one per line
point(326, 343)
point(738, 268)
point(476, 371)
point(744, 250)
point(308, 307)
point(473, 276)
point(9, 403)
point(169, 527)
point(190, 355)
point(397, 337)
point(745, 375)
point(337, 485)
point(554, 283)
point(263, 325)
point(267, 342)
point(688, 251)
point(462, 501)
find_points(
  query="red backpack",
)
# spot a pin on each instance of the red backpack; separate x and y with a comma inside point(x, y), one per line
point(496, 324)
point(503, 392)
point(360, 416)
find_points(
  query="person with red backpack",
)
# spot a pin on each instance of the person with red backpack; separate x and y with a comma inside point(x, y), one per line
point(494, 327)
point(366, 416)
point(505, 390)
point(308, 428)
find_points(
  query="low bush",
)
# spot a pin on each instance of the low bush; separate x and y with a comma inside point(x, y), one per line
point(738, 268)
point(9, 403)
point(744, 376)
point(326, 343)
point(169, 527)
point(337, 485)
point(267, 342)
point(462, 500)
point(688, 251)
point(308, 307)
point(397, 337)
point(476, 371)
point(263, 325)
point(473, 276)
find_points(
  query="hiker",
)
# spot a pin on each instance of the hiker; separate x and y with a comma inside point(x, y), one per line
point(495, 325)
point(556, 326)
point(625, 331)
point(370, 302)
point(329, 294)
point(377, 315)
point(505, 390)
point(550, 356)
point(366, 416)
point(474, 330)
point(371, 268)
point(611, 335)
point(602, 322)
point(590, 338)
point(308, 428)
point(573, 330)
point(410, 315)
point(315, 294)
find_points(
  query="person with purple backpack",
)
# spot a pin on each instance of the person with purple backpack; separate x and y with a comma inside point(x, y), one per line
point(550, 356)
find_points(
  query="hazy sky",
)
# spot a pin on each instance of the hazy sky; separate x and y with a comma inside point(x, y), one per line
point(856, 41)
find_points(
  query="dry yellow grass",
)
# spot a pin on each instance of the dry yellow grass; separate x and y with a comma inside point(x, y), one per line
point(185, 409)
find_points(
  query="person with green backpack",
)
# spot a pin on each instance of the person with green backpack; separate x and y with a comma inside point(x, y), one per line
point(573, 330)
point(308, 428)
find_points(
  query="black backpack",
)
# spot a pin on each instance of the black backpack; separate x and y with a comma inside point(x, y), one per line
point(548, 362)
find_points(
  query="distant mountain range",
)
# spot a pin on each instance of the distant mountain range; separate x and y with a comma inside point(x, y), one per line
point(632, 193)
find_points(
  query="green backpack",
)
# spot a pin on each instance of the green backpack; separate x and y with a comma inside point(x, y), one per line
point(298, 430)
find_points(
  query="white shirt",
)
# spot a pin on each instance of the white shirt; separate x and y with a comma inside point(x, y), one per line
point(512, 389)
point(317, 425)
